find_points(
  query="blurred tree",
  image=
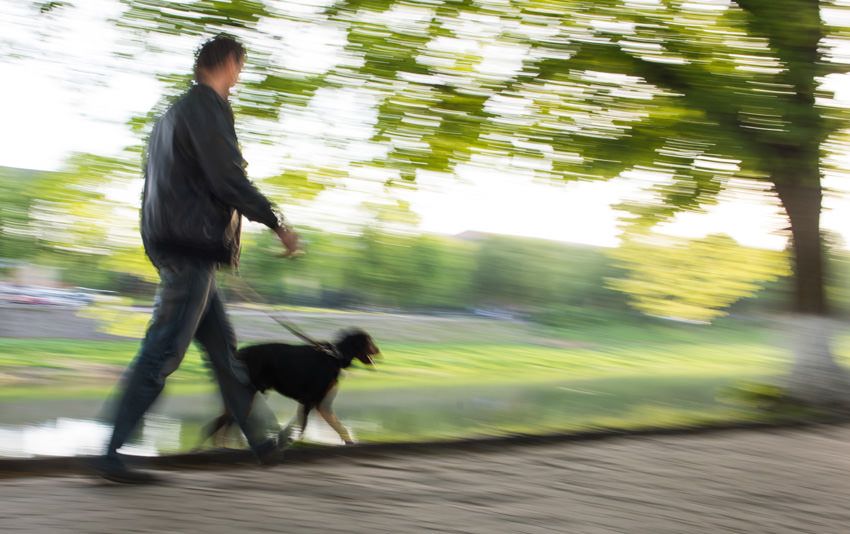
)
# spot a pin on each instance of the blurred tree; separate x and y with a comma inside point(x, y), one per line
point(76, 219)
point(692, 280)
point(691, 93)
point(516, 273)
point(17, 236)
point(695, 92)
point(373, 269)
point(395, 268)
point(542, 277)
point(85, 210)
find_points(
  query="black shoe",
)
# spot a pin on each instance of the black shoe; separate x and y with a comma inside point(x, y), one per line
point(113, 469)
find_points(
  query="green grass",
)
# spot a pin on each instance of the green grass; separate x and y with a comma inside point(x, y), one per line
point(85, 367)
point(619, 402)
point(470, 378)
point(526, 379)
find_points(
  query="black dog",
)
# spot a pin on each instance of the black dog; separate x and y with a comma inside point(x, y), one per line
point(305, 373)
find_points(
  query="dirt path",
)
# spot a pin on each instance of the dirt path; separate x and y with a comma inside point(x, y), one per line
point(783, 481)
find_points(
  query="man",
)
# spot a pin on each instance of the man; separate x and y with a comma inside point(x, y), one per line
point(195, 194)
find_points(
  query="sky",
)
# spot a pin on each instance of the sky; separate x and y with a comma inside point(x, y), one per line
point(64, 91)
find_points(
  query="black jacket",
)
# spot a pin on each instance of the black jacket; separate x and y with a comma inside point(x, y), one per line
point(195, 184)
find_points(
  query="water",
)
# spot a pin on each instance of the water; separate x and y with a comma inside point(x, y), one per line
point(67, 428)
point(73, 428)
point(76, 437)
point(66, 436)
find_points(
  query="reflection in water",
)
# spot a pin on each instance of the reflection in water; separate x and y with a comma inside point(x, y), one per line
point(84, 437)
point(75, 437)
point(409, 414)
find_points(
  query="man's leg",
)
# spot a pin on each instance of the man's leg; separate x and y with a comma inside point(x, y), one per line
point(182, 301)
point(249, 409)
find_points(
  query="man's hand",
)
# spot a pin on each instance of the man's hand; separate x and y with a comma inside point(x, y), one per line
point(289, 240)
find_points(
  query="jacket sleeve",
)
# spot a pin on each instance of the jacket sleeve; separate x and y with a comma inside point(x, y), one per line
point(211, 135)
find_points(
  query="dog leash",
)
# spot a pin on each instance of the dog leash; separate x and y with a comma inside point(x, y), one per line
point(327, 348)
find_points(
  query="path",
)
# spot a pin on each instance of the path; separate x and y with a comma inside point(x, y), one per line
point(736, 481)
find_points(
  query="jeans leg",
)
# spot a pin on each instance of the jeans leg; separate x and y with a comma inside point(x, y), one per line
point(182, 301)
point(216, 336)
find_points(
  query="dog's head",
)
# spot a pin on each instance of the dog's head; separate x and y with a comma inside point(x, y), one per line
point(358, 344)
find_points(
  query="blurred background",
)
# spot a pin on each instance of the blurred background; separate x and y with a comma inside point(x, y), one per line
point(551, 215)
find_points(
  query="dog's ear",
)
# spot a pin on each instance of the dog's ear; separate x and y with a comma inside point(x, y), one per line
point(347, 335)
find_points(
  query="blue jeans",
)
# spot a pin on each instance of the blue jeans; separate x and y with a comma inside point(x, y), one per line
point(188, 307)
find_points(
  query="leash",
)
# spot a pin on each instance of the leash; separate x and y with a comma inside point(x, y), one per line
point(327, 348)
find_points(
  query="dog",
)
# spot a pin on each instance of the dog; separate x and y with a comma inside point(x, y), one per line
point(308, 374)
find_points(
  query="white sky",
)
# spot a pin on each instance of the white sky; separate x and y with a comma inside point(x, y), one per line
point(58, 100)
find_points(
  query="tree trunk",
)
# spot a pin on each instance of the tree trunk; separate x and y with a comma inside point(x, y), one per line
point(802, 203)
point(815, 377)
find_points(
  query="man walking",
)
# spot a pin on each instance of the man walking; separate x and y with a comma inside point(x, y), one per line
point(195, 194)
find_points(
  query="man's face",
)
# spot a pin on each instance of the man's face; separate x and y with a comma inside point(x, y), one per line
point(232, 69)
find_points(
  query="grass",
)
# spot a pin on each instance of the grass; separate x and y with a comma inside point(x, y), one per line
point(619, 402)
point(467, 382)
point(84, 366)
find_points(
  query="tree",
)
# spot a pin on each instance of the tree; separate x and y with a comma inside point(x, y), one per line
point(698, 92)
point(693, 280)
point(701, 94)
point(16, 234)
point(745, 80)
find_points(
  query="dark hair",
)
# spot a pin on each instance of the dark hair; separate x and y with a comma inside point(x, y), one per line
point(214, 52)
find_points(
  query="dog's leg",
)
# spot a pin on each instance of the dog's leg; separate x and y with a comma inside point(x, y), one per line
point(294, 429)
point(326, 411)
point(303, 412)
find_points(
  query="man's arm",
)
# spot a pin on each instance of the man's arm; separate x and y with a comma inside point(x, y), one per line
point(213, 140)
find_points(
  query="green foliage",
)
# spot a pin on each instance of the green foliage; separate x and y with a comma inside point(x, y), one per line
point(693, 280)
point(400, 270)
point(697, 93)
point(553, 283)
point(18, 237)
point(429, 272)
point(599, 87)
point(838, 285)
point(694, 92)
point(518, 272)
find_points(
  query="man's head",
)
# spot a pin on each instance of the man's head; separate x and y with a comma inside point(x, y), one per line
point(219, 61)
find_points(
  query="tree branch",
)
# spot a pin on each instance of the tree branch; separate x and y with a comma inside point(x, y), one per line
point(714, 104)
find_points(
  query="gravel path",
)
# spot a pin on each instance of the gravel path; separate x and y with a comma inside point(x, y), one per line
point(741, 481)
